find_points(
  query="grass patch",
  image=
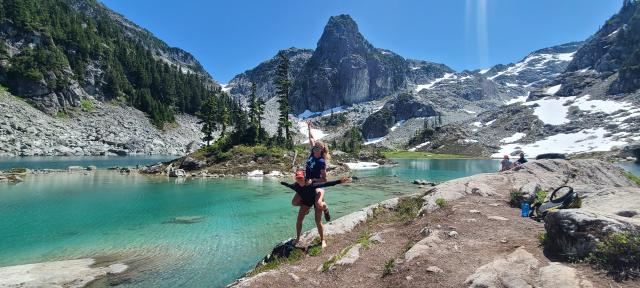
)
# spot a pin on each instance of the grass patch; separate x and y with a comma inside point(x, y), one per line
point(86, 105)
point(543, 239)
point(327, 264)
point(315, 250)
point(422, 155)
point(441, 202)
point(295, 255)
point(388, 267)
point(632, 177)
point(364, 239)
point(619, 255)
point(409, 207)
point(61, 114)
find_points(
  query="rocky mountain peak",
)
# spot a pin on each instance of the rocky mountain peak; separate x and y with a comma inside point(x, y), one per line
point(340, 36)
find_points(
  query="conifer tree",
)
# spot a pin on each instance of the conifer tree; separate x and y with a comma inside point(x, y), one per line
point(282, 83)
point(208, 119)
point(225, 119)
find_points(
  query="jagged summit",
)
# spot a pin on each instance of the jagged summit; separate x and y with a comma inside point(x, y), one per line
point(341, 35)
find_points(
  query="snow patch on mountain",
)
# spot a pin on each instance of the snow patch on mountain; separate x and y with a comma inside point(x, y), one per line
point(553, 89)
point(587, 140)
point(430, 85)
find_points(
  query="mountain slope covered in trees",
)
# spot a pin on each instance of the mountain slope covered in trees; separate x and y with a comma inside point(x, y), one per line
point(56, 53)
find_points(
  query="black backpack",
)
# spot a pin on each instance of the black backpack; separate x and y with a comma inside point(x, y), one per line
point(569, 200)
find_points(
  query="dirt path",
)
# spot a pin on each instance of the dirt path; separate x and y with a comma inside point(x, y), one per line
point(469, 239)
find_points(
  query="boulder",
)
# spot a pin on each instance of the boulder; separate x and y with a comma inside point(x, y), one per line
point(119, 152)
point(177, 173)
point(576, 232)
point(152, 169)
point(189, 164)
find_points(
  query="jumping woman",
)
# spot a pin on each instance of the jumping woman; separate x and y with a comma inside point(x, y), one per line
point(316, 169)
point(309, 195)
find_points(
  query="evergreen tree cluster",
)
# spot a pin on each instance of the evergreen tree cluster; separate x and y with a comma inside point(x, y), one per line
point(64, 38)
point(430, 127)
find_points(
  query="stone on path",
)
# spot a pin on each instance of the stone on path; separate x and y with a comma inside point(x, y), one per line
point(558, 275)
point(428, 245)
point(453, 234)
point(513, 270)
point(434, 269)
point(376, 238)
point(351, 256)
point(497, 218)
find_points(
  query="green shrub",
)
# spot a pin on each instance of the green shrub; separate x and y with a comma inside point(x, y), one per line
point(632, 177)
point(409, 207)
point(543, 239)
point(364, 239)
point(61, 114)
point(441, 202)
point(619, 255)
point(541, 196)
point(388, 267)
point(86, 105)
point(516, 198)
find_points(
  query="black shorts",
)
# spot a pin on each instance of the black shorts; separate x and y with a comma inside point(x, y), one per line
point(308, 198)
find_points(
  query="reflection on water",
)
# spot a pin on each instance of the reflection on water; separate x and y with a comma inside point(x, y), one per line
point(65, 216)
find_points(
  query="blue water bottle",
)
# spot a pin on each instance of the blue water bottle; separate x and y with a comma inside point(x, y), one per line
point(524, 209)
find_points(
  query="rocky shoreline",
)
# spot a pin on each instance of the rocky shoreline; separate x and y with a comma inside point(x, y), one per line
point(611, 203)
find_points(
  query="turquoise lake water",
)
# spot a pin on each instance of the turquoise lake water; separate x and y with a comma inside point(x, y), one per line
point(66, 216)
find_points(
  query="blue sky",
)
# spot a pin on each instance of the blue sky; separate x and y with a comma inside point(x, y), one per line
point(228, 37)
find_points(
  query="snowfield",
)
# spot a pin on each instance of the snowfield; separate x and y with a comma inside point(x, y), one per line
point(307, 114)
point(373, 141)
point(513, 138)
point(303, 128)
point(554, 111)
point(518, 99)
point(588, 140)
point(553, 89)
point(540, 60)
point(420, 146)
point(429, 85)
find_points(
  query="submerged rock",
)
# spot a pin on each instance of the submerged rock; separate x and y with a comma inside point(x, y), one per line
point(186, 220)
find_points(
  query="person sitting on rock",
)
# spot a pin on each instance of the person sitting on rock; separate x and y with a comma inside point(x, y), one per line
point(519, 164)
point(309, 195)
point(505, 164)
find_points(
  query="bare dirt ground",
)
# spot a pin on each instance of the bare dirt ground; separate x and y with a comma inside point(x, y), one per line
point(478, 241)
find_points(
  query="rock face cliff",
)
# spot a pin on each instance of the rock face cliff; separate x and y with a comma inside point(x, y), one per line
point(345, 68)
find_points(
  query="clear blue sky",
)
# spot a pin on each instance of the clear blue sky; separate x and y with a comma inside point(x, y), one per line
point(231, 36)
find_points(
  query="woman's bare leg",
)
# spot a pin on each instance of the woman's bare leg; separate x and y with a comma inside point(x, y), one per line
point(320, 204)
point(297, 200)
point(301, 213)
point(320, 227)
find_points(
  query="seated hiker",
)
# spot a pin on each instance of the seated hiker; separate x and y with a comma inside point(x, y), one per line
point(505, 164)
point(518, 164)
point(312, 196)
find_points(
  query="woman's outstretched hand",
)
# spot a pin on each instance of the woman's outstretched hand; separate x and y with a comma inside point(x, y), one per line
point(345, 179)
